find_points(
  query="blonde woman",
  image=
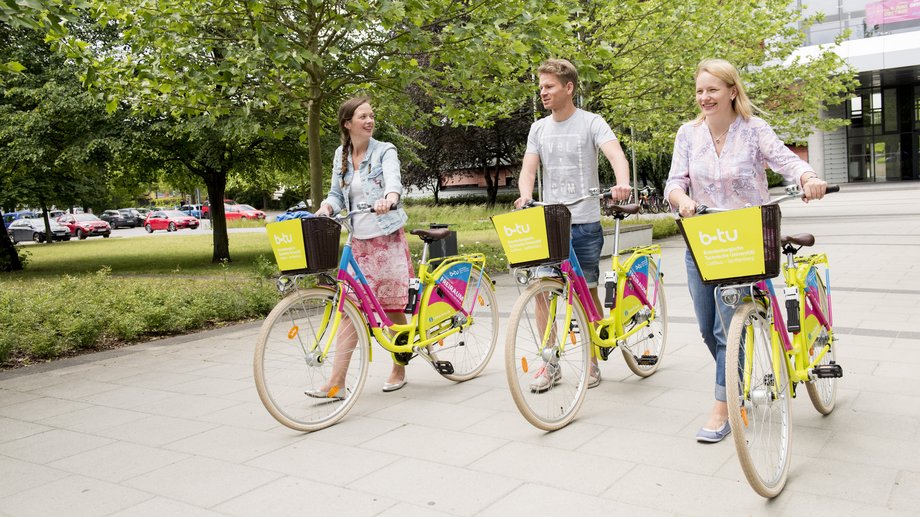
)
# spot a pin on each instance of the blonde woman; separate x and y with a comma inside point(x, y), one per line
point(718, 161)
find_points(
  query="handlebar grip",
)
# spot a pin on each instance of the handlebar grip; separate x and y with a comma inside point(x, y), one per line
point(832, 188)
point(606, 195)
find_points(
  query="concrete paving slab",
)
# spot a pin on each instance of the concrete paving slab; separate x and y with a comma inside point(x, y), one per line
point(175, 427)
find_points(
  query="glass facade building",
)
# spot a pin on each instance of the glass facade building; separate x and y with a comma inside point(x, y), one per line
point(882, 142)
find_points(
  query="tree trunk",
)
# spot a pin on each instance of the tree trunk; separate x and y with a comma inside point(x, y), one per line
point(316, 159)
point(216, 182)
point(9, 259)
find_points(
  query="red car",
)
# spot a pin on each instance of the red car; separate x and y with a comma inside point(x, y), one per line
point(235, 212)
point(206, 208)
point(169, 220)
point(85, 225)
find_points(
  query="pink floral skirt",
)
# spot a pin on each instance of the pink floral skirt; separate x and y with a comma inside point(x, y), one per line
point(387, 265)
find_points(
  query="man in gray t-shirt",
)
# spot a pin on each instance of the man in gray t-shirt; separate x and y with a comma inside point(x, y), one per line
point(568, 151)
point(566, 143)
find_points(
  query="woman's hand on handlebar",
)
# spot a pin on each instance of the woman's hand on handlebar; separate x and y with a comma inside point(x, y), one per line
point(814, 188)
point(324, 210)
point(686, 206)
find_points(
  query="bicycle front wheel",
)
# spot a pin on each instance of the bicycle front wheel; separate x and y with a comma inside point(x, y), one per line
point(300, 388)
point(546, 356)
point(757, 391)
point(470, 349)
point(644, 350)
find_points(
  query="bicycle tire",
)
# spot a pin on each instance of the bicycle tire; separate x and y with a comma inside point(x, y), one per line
point(760, 422)
point(555, 407)
point(470, 350)
point(284, 372)
point(639, 348)
point(823, 392)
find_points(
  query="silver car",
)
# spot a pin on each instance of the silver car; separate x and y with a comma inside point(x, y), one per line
point(34, 230)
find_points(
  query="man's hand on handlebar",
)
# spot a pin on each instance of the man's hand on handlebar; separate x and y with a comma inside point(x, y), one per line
point(522, 202)
point(620, 192)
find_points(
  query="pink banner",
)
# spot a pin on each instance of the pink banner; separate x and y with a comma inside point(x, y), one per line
point(891, 11)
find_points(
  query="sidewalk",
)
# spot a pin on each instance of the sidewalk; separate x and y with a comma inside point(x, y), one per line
point(175, 427)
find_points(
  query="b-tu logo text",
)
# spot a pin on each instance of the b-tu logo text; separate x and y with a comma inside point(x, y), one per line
point(721, 236)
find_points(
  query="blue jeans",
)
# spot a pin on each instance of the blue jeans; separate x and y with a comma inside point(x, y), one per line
point(587, 241)
point(704, 305)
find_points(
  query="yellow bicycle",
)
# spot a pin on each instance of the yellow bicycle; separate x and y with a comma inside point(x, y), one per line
point(763, 364)
point(312, 354)
point(555, 323)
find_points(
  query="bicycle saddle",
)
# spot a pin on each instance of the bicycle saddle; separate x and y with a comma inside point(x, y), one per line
point(431, 235)
point(625, 209)
point(802, 239)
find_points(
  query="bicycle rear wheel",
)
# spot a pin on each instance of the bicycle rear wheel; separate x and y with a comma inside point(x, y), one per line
point(757, 390)
point(470, 349)
point(299, 388)
point(547, 383)
point(644, 350)
point(823, 391)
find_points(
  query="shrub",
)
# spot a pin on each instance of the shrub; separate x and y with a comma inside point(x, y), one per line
point(61, 316)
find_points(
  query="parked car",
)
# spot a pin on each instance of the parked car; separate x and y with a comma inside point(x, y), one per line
point(169, 220)
point(33, 229)
point(133, 216)
point(116, 219)
point(85, 225)
point(192, 210)
point(248, 212)
point(9, 217)
point(206, 207)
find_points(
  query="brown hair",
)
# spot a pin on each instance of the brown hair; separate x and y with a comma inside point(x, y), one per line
point(727, 72)
point(563, 69)
point(346, 112)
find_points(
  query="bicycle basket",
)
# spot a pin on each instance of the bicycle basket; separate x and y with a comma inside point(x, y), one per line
point(738, 246)
point(534, 236)
point(305, 245)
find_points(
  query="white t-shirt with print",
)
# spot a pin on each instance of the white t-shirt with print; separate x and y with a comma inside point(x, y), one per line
point(568, 153)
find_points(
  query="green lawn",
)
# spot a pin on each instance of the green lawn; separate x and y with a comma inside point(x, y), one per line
point(86, 295)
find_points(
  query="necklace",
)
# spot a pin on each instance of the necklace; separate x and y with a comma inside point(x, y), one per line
point(718, 139)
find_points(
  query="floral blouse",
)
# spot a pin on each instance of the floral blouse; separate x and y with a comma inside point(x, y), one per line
point(737, 177)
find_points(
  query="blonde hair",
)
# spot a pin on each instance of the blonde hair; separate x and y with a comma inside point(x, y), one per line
point(727, 72)
point(563, 69)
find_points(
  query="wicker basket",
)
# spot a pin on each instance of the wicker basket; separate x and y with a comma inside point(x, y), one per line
point(535, 236)
point(315, 249)
point(738, 246)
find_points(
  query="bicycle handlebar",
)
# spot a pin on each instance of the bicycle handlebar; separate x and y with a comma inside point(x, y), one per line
point(362, 209)
point(592, 194)
point(792, 192)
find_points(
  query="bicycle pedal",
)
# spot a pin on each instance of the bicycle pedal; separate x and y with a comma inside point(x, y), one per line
point(443, 367)
point(647, 360)
point(828, 371)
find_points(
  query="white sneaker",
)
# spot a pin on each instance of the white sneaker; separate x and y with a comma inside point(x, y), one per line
point(546, 377)
point(594, 376)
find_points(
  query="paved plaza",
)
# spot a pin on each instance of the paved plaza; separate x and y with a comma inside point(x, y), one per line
point(174, 427)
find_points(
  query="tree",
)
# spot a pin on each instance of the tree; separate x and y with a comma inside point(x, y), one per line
point(54, 137)
point(636, 60)
point(297, 59)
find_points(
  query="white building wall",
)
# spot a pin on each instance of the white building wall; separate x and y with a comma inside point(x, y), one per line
point(834, 148)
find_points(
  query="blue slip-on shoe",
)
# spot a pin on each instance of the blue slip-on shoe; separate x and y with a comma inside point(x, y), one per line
point(713, 435)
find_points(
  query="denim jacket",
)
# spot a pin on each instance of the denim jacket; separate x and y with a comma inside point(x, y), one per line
point(379, 174)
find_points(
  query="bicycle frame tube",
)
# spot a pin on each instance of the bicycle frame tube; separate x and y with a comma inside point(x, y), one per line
point(579, 286)
point(358, 284)
point(779, 322)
